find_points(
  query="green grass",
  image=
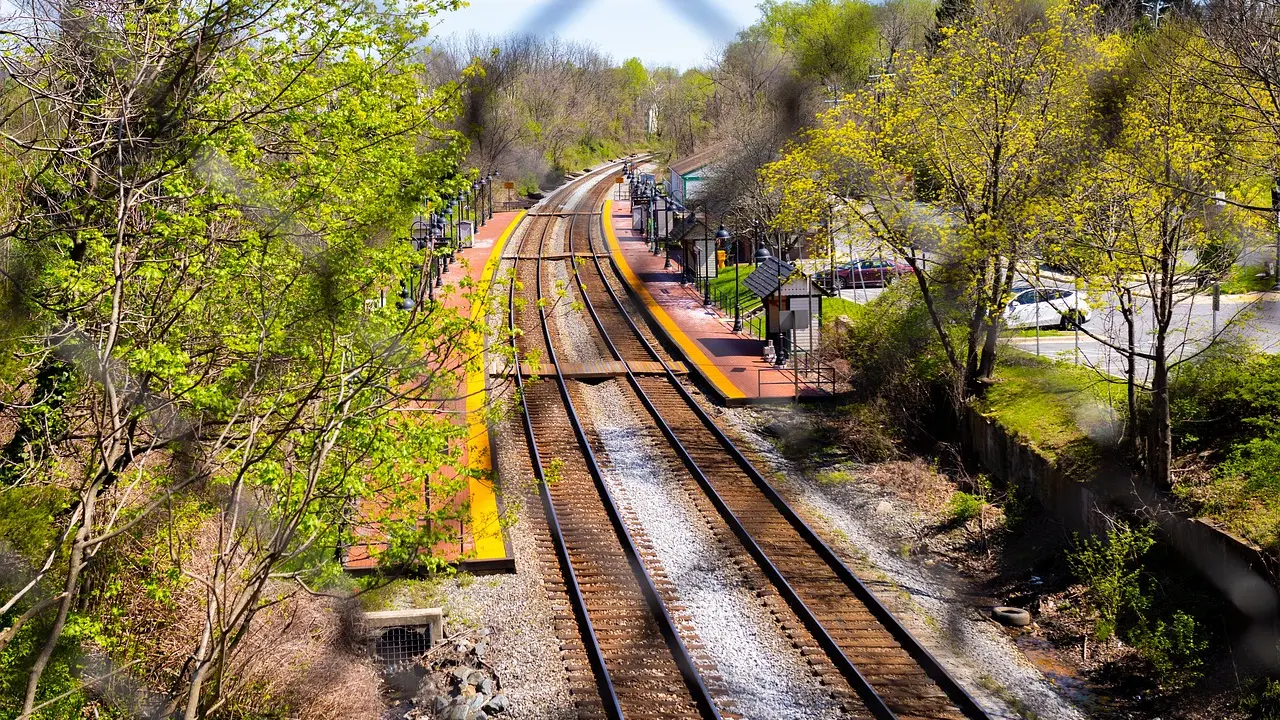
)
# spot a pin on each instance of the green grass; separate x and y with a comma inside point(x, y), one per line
point(834, 307)
point(722, 293)
point(722, 288)
point(1246, 279)
point(1044, 402)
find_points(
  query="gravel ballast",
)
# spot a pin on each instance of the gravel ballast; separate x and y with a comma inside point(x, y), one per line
point(522, 645)
point(763, 673)
point(977, 652)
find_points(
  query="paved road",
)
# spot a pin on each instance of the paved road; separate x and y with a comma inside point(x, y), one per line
point(1255, 318)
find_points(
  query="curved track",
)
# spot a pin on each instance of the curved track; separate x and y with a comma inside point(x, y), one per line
point(642, 668)
point(847, 635)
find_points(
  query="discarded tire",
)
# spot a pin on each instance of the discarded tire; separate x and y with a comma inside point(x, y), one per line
point(1011, 616)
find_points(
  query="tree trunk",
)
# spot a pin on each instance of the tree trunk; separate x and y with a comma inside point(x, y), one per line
point(69, 593)
point(1001, 286)
point(1160, 444)
point(1131, 376)
point(975, 329)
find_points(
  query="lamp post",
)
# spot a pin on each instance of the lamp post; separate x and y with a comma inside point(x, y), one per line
point(475, 194)
point(420, 236)
point(663, 205)
point(437, 235)
point(450, 233)
point(457, 223)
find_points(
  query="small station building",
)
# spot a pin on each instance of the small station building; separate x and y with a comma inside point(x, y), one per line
point(792, 305)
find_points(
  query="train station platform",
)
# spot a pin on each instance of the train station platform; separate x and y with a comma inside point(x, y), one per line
point(730, 365)
point(481, 544)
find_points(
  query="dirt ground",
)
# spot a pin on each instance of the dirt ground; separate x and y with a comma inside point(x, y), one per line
point(894, 510)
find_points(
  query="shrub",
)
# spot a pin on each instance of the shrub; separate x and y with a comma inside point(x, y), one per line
point(1172, 649)
point(963, 507)
point(893, 353)
point(1226, 406)
point(1262, 701)
point(1110, 568)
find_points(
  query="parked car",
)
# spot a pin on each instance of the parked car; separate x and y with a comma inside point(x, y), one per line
point(865, 273)
point(1045, 307)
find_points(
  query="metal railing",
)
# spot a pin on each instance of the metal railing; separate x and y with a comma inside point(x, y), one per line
point(802, 372)
point(752, 319)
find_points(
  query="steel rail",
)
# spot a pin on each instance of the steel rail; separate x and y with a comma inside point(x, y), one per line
point(666, 626)
point(927, 662)
point(856, 680)
point(595, 656)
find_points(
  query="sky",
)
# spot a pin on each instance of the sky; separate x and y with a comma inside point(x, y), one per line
point(653, 30)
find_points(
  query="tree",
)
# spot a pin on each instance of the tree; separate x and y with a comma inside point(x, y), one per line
point(210, 198)
point(832, 40)
point(958, 146)
point(1130, 222)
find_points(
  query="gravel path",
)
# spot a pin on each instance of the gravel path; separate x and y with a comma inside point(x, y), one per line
point(977, 652)
point(763, 673)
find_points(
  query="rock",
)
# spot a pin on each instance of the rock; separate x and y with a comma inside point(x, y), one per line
point(482, 715)
point(485, 686)
point(457, 712)
point(496, 705)
point(884, 507)
point(477, 702)
point(480, 649)
point(439, 704)
point(475, 678)
point(484, 632)
point(460, 673)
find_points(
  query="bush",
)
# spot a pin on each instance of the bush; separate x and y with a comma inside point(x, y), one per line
point(1262, 701)
point(1172, 649)
point(894, 354)
point(963, 507)
point(1232, 393)
point(1110, 569)
point(1226, 408)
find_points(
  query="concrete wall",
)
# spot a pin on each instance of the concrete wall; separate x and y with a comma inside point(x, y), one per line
point(1242, 571)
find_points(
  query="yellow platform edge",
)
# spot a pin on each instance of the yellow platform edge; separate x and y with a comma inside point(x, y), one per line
point(692, 352)
point(486, 527)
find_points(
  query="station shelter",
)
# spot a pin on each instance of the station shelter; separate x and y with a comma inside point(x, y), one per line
point(792, 305)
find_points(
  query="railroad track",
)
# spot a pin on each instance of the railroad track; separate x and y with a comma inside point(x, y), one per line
point(852, 642)
point(640, 665)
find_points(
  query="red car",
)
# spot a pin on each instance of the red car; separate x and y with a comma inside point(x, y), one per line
point(866, 273)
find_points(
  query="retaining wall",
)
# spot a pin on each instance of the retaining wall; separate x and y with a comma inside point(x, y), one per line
point(1241, 570)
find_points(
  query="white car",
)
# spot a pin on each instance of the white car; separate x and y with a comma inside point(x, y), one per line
point(1061, 307)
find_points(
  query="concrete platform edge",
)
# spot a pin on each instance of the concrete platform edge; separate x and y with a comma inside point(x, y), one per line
point(475, 416)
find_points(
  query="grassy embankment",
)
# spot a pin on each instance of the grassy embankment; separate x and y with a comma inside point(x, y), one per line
point(1226, 431)
point(1058, 408)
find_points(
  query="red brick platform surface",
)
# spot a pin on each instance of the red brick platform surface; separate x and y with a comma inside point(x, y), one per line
point(482, 545)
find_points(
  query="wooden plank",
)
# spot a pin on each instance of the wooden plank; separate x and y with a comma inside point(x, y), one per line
point(552, 256)
point(598, 370)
